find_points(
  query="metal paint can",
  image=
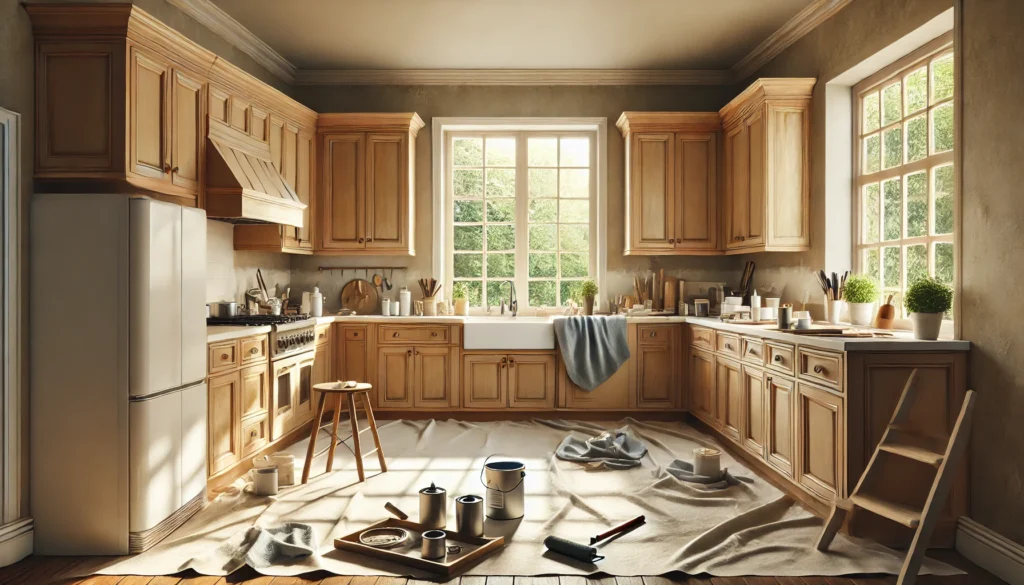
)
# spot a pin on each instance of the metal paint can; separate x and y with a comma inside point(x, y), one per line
point(434, 544)
point(469, 515)
point(505, 490)
point(433, 507)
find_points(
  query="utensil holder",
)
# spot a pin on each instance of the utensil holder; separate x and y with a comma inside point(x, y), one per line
point(429, 306)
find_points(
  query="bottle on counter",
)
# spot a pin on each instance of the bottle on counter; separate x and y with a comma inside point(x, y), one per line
point(316, 303)
point(405, 302)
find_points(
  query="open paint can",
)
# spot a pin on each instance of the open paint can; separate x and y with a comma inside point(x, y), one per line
point(505, 490)
point(469, 515)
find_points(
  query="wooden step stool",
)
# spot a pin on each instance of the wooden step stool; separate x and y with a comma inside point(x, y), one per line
point(337, 390)
point(943, 453)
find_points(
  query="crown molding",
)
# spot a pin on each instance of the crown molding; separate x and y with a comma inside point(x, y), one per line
point(512, 77)
point(802, 23)
point(232, 31)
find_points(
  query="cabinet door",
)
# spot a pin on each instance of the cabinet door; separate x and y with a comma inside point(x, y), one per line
point(433, 377)
point(304, 187)
point(655, 375)
point(819, 440)
point(757, 161)
point(702, 384)
point(223, 416)
point(780, 402)
point(186, 130)
point(613, 393)
point(730, 397)
point(531, 381)
point(254, 387)
point(303, 393)
point(343, 191)
point(651, 199)
point(147, 102)
point(353, 354)
point(322, 364)
point(484, 380)
point(395, 377)
point(752, 431)
point(387, 191)
point(697, 191)
point(737, 185)
point(787, 187)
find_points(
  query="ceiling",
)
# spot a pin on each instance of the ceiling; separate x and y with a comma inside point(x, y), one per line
point(512, 34)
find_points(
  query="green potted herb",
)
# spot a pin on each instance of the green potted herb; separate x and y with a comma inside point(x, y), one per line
point(460, 294)
point(588, 290)
point(927, 300)
point(861, 293)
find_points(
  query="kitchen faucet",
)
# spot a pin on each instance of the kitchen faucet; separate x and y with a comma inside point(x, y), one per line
point(513, 303)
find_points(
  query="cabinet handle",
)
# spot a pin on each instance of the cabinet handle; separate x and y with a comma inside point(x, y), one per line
point(369, 239)
point(360, 240)
point(504, 361)
point(728, 346)
point(395, 334)
point(769, 379)
point(434, 334)
point(778, 358)
point(818, 369)
point(671, 240)
point(409, 353)
point(254, 350)
point(653, 334)
point(253, 433)
point(511, 363)
point(174, 170)
point(223, 356)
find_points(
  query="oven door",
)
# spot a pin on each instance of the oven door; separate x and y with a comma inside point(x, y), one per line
point(291, 393)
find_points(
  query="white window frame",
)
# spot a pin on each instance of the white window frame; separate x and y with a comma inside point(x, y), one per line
point(443, 129)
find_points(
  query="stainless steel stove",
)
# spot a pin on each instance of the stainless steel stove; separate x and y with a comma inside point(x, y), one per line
point(289, 334)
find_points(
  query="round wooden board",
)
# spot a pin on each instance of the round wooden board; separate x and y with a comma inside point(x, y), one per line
point(366, 302)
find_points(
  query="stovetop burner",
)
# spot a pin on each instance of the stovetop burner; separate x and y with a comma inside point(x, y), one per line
point(256, 320)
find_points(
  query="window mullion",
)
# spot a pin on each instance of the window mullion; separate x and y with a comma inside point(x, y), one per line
point(522, 219)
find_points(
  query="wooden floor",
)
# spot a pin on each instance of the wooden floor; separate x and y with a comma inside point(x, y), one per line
point(41, 570)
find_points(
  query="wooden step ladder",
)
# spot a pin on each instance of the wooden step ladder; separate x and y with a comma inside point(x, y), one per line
point(943, 453)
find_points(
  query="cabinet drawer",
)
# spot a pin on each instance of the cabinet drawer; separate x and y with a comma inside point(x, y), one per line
point(255, 435)
point(752, 351)
point(355, 333)
point(254, 349)
point(387, 334)
point(820, 366)
point(780, 357)
point(654, 333)
point(323, 335)
point(223, 357)
point(702, 337)
point(727, 344)
point(254, 384)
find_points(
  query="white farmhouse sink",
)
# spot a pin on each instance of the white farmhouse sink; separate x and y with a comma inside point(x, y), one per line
point(508, 333)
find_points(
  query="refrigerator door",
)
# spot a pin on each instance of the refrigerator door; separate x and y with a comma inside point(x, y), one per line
point(154, 460)
point(155, 320)
point(193, 442)
point(193, 295)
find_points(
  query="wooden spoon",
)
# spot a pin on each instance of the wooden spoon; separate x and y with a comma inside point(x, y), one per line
point(377, 281)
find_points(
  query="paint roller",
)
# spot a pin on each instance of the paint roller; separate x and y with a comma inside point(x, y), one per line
point(587, 553)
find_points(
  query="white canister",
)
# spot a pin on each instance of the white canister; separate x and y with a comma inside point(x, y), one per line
point(707, 462)
point(285, 463)
point(755, 307)
point(385, 306)
point(405, 302)
point(264, 481)
point(316, 303)
point(395, 308)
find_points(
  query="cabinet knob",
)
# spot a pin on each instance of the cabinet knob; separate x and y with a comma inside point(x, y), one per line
point(223, 356)
point(409, 353)
point(369, 239)
point(778, 358)
point(395, 334)
point(254, 350)
point(504, 361)
point(818, 369)
point(511, 363)
point(253, 433)
point(671, 240)
point(174, 170)
point(728, 346)
point(433, 334)
point(361, 240)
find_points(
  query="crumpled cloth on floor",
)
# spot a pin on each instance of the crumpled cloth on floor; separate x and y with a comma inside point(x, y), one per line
point(683, 470)
point(611, 450)
point(264, 547)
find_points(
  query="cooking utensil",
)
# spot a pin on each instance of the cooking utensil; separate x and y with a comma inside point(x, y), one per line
point(378, 281)
point(263, 286)
point(358, 296)
point(886, 315)
point(223, 309)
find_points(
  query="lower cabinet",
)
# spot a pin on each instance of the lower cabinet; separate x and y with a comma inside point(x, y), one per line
point(729, 385)
point(352, 353)
point(779, 400)
point(819, 440)
point(702, 384)
point(612, 394)
point(752, 427)
point(484, 380)
point(508, 380)
point(409, 376)
point(394, 377)
point(223, 416)
point(654, 366)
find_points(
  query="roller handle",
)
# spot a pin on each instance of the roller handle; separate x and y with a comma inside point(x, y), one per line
point(624, 527)
point(394, 510)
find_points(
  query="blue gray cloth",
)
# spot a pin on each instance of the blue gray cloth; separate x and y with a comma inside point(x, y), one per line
point(263, 547)
point(683, 470)
point(593, 348)
point(613, 449)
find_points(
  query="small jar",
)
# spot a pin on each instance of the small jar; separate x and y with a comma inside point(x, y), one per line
point(385, 306)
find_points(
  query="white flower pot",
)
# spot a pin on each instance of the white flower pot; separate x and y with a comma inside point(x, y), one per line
point(926, 325)
point(862, 313)
point(835, 311)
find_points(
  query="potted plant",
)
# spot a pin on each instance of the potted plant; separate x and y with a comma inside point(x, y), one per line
point(588, 290)
point(460, 294)
point(927, 300)
point(860, 293)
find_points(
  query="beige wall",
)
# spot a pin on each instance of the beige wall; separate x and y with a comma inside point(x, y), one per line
point(229, 273)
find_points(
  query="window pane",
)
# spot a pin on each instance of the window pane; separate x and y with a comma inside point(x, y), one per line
point(542, 237)
point(944, 262)
point(917, 138)
point(891, 267)
point(574, 238)
point(917, 204)
point(872, 154)
point(869, 206)
point(542, 265)
point(917, 263)
point(892, 103)
point(543, 210)
point(574, 211)
point(476, 292)
point(917, 90)
point(501, 210)
point(468, 237)
point(501, 152)
point(468, 152)
point(497, 291)
point(542, 152)
point(501, 237)
point(892, 147)
point(575, 152)
point(575, 265)
point(501, 182)
point(501, 265)
point(468, 211)
point(467, 183)
point(570, 291)
point(468, 265)
point(542, 293)
point(543, 182)
point(871, 262)
point(943, 199)
point(871, 115)
point(942, 78)
point(942, 128)
point(892, 193)
point(574, 183)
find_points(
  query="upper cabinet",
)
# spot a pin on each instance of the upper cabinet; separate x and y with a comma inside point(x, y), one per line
point(672, 182)
point(766, 167)
point(367, 186)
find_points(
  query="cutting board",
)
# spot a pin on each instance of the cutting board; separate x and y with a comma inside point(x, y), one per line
point(360, 296)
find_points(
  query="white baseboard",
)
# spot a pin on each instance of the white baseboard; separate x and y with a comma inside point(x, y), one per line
point(15, 541)
point(990, 550)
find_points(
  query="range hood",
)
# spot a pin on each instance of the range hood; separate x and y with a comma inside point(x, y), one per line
point(242, 185)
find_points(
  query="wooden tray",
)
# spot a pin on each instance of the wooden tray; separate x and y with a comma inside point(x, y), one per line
point(474, 549)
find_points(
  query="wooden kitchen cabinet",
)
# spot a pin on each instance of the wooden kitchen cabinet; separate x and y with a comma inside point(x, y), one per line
point(654, 375)
point(224, 420)
point(255, 385)
point(612, 394)
point(672, 182)
point(484, 380)
point(433, 377)
point(395, 386)
point(352, 353)
point(367, 200)
point(752, 428)
point(780, 402)
point(819, 441)
point(767, 171)
point(703, 381)
point(729, 385)
point(531, 380)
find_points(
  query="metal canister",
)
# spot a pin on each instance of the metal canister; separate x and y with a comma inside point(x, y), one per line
point(434, 544)
point(785, 316)
point(505, 490)
point(469, 515)
point(433, 507)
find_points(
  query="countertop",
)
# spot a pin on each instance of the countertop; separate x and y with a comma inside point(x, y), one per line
point(229, 332)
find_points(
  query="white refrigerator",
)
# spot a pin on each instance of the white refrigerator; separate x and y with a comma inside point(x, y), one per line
point(118, 368)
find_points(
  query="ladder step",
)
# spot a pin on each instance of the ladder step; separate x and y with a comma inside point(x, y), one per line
point(914, 446)
point(891, 510)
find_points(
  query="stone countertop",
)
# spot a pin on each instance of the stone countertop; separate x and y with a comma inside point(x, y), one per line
point(215, 333)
